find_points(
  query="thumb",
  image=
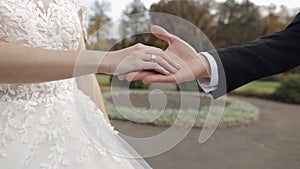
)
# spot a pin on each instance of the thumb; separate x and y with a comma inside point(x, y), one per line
point(162, 34)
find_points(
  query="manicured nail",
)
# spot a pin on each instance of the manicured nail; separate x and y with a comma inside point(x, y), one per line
point(174, 70)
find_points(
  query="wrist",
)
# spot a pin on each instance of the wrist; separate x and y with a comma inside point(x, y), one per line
point(112, 60)
point(204, 68)
point(109, 62)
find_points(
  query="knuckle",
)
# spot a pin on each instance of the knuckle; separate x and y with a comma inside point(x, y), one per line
point(139, 46)
point(158, 67)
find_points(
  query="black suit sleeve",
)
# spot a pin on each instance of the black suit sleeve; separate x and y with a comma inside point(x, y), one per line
point(263, 57)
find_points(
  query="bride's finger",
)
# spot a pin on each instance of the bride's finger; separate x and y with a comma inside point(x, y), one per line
point(170, 58)
point(159, 52)
point(122, 76)
point(162, 62)
point(156, 67)
point(166, 58)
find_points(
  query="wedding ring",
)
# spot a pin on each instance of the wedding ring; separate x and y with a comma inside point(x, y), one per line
point(153, 58)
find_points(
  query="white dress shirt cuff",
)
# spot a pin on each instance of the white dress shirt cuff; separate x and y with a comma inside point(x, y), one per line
point(209, 84)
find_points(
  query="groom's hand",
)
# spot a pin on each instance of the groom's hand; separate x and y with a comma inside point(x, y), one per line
point(193, 66)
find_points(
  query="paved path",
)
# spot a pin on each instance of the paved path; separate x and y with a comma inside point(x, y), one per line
point(273, 142)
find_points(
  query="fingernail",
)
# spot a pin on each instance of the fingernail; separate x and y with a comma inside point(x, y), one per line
point(174, 71)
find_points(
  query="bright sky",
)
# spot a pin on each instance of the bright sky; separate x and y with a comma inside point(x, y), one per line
point(117, 6)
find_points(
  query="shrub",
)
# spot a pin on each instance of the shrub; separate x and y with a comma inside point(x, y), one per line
point(132, 85)
point(138, 85)
point(236, 113)
point(289, 89)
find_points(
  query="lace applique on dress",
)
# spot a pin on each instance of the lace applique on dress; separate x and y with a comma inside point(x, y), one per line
point(41, 113)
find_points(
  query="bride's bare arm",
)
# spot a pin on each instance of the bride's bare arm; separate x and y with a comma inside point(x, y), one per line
point(99, 99)
point(21, 64)
point(88, 85)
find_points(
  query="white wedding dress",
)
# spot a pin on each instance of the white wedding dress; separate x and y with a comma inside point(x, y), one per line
point(53, 125)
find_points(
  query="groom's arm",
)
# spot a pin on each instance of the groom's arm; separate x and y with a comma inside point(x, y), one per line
point(231, 67)
point(269, 55)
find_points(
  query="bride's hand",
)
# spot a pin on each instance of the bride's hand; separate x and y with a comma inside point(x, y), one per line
point(193, 65)
point(138, 58)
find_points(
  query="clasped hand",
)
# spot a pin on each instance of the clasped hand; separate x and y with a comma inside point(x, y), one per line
point(179, 63)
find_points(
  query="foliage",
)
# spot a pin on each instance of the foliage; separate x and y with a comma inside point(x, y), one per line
point(226, 23)
point(238, 23)
point(295, 70)
point(138, 85)
point(258, 89)
point(196, 13)
point(98, 28)
point(99, 17)
point(192, 11)
point(103, 79)
point(134, 23)
point(275, 20)
point(289, 89)
point(236, 113)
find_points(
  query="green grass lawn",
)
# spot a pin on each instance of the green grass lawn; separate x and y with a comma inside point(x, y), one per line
point(103, 79)
point(258, 88)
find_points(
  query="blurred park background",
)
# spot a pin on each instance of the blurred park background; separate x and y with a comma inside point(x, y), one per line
point(224, 23)
point(259, 126)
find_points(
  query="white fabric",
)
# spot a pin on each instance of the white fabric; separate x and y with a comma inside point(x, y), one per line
point(209, 84)
point(53, 125)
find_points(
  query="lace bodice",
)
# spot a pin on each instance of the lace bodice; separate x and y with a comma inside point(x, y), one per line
point(25, 107)
point(27, 23)
point(57, 27)
point(52, 125)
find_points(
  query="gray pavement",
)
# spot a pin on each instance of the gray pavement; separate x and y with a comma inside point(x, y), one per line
point(273, 142)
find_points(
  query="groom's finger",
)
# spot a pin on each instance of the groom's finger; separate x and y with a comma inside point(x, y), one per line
point(158, 78)
point(138, 75)
point(162, 34)
point(152, 66)
point(122, 76)
point(130, 76)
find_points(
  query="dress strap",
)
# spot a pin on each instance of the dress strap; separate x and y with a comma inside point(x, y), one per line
point(81, 6)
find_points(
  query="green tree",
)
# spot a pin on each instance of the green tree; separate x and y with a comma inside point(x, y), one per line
point(97, 26)
point(275, 21)
point(135, 21)
point(99, 17)
point(238, 23)
point(196, 12)
point(289, 89)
